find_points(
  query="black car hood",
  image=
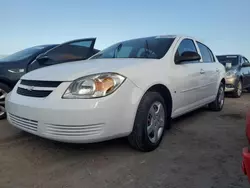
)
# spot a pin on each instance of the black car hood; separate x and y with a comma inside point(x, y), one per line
point(15, 64)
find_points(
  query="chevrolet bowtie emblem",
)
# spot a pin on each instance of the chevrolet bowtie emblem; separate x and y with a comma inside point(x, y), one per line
point(30, 88)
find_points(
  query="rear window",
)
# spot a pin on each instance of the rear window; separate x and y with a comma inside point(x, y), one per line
point(228, 59)
point(151, 47)
point(206, 53)
point(23, 54)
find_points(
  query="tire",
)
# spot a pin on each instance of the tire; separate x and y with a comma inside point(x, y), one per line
point(218, 103)
point(147, 123)
point(238, 90)
point(4, 89)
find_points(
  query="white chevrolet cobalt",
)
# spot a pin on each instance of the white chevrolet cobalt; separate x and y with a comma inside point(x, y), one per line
point(132, 88)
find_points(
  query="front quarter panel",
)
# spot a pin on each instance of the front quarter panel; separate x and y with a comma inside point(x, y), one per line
point(222, 72)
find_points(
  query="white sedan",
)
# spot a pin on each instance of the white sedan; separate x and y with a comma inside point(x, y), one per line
point(132, 88)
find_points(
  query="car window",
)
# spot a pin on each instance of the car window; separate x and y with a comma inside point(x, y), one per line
point(71, 51)
point(211, 54)
point(124, 52)
point(234, 59)
point(26, 53)
point(184, 46)
point(242, 61)
point(206, 54)
point(150, 47)
point(245, 60)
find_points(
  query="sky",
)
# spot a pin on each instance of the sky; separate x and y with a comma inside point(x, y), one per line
point(223, 25)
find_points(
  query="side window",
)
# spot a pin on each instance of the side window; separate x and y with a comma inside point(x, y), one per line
point(211, 54)
point(206, 53)
point(245, 60)
point(242, 60)
point(124, 52)
point(186, 45)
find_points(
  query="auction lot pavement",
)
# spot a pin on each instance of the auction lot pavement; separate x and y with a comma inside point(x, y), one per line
point(202, 150)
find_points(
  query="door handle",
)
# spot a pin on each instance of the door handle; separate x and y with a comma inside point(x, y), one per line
point(217, 70)
point(202, 71)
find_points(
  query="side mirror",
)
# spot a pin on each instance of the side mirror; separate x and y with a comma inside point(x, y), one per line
point(228, 65)
point(187, 56)
point(245, 65)
point(42, 59)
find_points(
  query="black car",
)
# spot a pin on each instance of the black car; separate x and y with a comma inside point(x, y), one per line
point(237, 75)
point(13, 67)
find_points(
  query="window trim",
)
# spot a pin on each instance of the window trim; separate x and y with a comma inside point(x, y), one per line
point(211, 53)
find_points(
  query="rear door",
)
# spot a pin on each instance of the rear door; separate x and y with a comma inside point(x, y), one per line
point(210, 72)
point(74, 50)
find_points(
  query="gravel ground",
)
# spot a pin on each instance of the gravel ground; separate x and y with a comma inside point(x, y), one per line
point(202, 150)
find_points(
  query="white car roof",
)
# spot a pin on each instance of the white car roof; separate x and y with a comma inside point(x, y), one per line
point(177, 36)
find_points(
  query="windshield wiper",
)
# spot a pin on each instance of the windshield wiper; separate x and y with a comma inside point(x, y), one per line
point(117, 49)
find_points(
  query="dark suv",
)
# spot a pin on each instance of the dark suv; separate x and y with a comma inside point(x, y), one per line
point(13, 67)
point(238, 73)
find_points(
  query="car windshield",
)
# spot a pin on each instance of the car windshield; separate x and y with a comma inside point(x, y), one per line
point(73, 51)
point(23, 53)
point(151, 47)
point(228, 59)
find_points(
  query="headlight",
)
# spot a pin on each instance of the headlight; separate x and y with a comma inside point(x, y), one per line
point(93, 86)
point(16, 70)
point(231, 73)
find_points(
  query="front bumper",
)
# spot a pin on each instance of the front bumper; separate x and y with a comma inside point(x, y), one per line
point(246, 162)
point(231, 84)
point(75, 120)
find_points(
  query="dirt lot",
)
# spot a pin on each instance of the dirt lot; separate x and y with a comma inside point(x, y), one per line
point(202, 150)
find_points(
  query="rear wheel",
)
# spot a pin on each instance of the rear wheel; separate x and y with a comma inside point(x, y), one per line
point(4, 90)
point(238, 90)
point(150, 123)
point(218, 103)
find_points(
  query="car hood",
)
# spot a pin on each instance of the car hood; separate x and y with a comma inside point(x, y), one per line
point(73, 70)
point(10, 63)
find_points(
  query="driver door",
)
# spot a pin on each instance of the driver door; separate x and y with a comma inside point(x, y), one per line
point(74, 50)
point(188, 78)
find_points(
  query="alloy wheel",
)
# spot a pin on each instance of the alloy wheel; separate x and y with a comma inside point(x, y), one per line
point(221, 97)
point(239, 88)
point(2, 94)
point(155, 122)
point(2, 110)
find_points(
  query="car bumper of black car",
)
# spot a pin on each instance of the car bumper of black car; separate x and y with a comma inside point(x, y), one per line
point(231, 84)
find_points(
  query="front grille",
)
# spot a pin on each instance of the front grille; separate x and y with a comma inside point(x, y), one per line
point(40, 83)
point(229, 86)
point(32, 93)
point(34, 88)
point(23, 123)
point(74, 130)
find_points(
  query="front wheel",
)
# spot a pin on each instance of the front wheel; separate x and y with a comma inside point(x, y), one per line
point(218, 103)
point(4, 89)
point(150, 123)
point(238, 90)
